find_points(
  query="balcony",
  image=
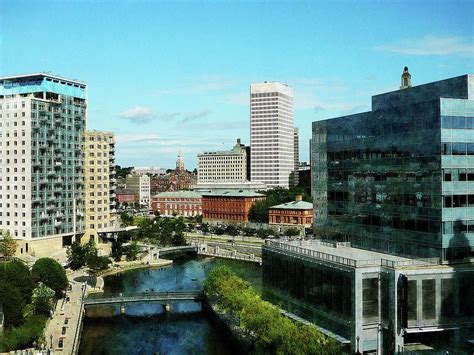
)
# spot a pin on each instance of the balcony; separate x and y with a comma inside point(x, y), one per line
point(36, 200)
point(113, 187)
point(52, 199)
point(113, 195)
point(113, 203)
point(58, 192)
point(51, 173)
point(43, 182)
point(57, 224)
point(58, 164)
point(43, 216)
point(58, 182)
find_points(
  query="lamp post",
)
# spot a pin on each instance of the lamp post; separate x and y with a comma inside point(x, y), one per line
point(358, 338)
point(51, 338)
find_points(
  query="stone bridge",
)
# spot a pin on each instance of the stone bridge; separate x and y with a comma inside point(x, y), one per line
point(164, 298)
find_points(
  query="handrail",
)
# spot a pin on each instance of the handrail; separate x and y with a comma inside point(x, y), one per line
point(75, 343)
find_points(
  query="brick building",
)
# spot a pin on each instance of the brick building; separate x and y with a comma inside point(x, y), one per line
point(296, 212)
point(181, 203)
point(229, 206)
point(126, 196)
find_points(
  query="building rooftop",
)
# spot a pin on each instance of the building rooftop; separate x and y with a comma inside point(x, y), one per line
point(182, 194)
point(294, 205)
point(234, 193)
point(343, 253)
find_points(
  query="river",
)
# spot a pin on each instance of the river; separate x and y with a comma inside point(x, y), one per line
point(147, 329)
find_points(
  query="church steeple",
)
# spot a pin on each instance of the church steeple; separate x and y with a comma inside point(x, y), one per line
point(180, 162)
point(406, 79)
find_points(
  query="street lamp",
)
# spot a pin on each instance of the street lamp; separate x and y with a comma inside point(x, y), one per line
point(51, 337)
point(358, 338)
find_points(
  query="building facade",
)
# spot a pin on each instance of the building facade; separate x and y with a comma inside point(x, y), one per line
point(175, 180)
point(151, 170)
point(223, 166)
point(271, 134)
point(229, 206)
point(397, 179)
point(296, 154)
point(371, 302)
point(179, 203)
point(99, 179)
point(126, 196)
point(42, 120)
point(298, 213)
point(140, 185)
point(391, 191)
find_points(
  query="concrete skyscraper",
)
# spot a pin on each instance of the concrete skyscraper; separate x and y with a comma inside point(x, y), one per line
point(271, 133)
point(42, 121)
point(99, 174)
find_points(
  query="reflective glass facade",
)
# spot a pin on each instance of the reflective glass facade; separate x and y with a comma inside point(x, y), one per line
point(398, 179)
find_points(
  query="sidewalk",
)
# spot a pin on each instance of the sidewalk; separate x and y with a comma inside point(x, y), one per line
point(65, 322)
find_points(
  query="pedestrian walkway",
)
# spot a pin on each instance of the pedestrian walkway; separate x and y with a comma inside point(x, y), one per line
point(63, 330)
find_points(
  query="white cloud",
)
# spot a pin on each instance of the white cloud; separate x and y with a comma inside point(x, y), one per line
point(432, 46)
point(137, 114)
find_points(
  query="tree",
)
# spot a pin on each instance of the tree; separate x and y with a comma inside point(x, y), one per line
point(132, 251)
point(76, 256)
point(205, 228)
point(16, 274)
point(12, 303)
point(51, 273)
point(42, 300)
point(8, 245)
point(292, 232)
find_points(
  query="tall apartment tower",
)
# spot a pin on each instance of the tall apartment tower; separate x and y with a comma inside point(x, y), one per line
point(42, 121)
point(271, 133)
point(99, 176)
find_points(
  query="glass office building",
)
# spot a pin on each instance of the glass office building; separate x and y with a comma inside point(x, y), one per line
point(393, 199)
point(400, 178)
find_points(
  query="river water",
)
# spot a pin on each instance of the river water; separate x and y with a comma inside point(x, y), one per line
point(147, 329)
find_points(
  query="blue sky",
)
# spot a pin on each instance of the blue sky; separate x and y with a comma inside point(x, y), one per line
point(166, 76)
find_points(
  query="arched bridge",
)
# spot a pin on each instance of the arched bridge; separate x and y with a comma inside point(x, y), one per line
point(163, 297)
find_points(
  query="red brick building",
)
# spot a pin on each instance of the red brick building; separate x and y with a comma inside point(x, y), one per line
point(181, 203)
point(296, 212)
point(127, 196)
point(229, 206)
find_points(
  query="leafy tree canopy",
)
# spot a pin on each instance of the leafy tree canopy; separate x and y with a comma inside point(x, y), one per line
point(51, 273)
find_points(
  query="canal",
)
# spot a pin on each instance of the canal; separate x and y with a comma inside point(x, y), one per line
point(147, 329)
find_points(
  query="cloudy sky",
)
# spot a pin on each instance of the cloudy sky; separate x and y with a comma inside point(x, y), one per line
point(168, 75)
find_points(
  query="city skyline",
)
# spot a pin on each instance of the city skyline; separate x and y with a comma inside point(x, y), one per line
point(184, 80)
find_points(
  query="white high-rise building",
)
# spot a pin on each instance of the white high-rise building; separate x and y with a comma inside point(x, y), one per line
point(271, 133)
point(42, 120)
point(140, 185)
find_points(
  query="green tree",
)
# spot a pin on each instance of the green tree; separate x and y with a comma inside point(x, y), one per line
point(12, 303)
point(51, 273)
point(126, 219)
point(205, 228)
point(16, 274)
point(292, 232)
point(117, 249)
point(132, 251)
point(76, 256)
point(42, 300)
point(8, 245)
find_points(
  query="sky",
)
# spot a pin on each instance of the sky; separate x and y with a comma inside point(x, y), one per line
point(170, 76)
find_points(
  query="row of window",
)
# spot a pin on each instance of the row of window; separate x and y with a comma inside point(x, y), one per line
point(457, 122)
